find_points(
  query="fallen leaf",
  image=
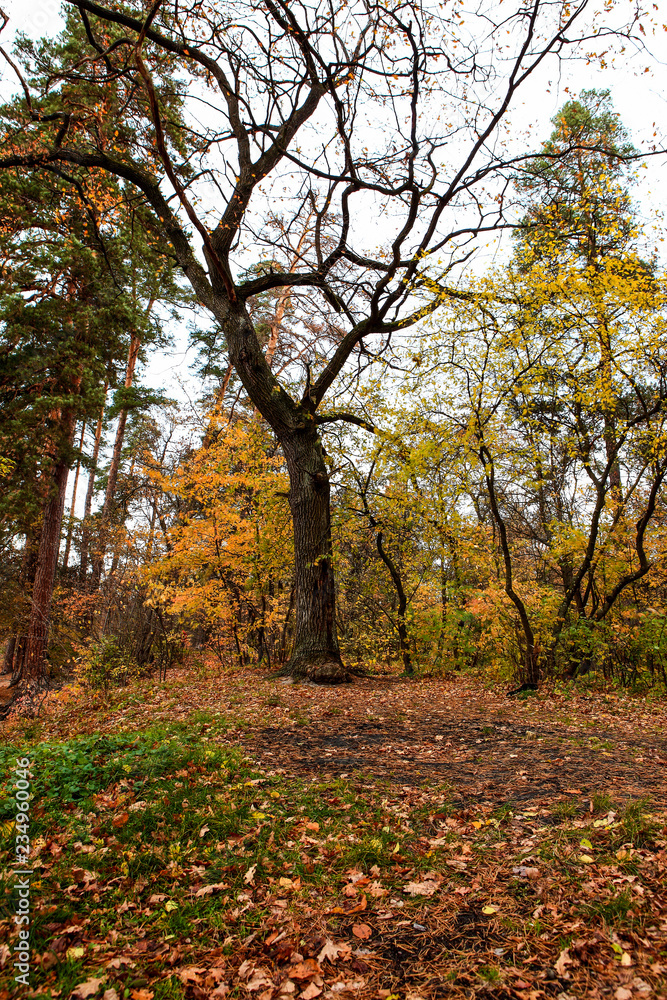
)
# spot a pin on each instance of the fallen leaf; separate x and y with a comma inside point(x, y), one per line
point(626, 960)
point(191, 974)
point(204, 830)
point(245, 968)
point(421, 888)
point(305, 970)
point(249, 876)
point(586, 859)
point(75, 952)
point(623, 994)
point(313, 826)
point(207, 890)
point(562, 961)
point(120, 820)
point(87, 989)
point(310, 992)
point(362, 931)
point(258, 980)
point(488, 910)
point(331, 951)
point(115, 963)
point(523, 872)
point(110, 994)
point(142, 994)
point(361, 905)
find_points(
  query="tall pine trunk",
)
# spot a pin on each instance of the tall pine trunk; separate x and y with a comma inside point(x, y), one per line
point(315, 654)
point(16, 644)
point(33, 660)
point(31, 647)
point(88, 506)
point(114, 468)
point(70, 526)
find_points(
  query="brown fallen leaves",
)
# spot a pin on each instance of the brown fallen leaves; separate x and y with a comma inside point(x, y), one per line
point(499, 900)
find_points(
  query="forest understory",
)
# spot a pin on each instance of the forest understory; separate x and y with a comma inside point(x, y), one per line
point(418, 455)
point(239, 836)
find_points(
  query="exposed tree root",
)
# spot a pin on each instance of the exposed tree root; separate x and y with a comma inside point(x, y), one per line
point(324, 669)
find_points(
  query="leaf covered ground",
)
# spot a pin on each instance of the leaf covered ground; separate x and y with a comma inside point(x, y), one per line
point(240, 837)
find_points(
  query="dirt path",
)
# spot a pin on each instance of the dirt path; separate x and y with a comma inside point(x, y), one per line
point(485, 746)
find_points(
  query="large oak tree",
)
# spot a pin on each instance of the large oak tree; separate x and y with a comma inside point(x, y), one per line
point(377, 126)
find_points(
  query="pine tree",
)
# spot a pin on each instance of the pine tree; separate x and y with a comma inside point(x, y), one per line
point(68, 319)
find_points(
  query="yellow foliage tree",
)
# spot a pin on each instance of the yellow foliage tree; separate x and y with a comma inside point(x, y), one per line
point(228, 564)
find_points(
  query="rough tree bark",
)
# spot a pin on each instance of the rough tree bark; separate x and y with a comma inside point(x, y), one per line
point(13, 652)
point(315, 655)
point(32, 667)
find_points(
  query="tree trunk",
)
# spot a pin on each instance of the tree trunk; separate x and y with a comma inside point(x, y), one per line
point(8, 659)
point(85, 533)
point(98, 561)
point(16, 644)
point(531, 651)
point(70, 526)
point(404, 642)
point(32, 666)
point(315, 656)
